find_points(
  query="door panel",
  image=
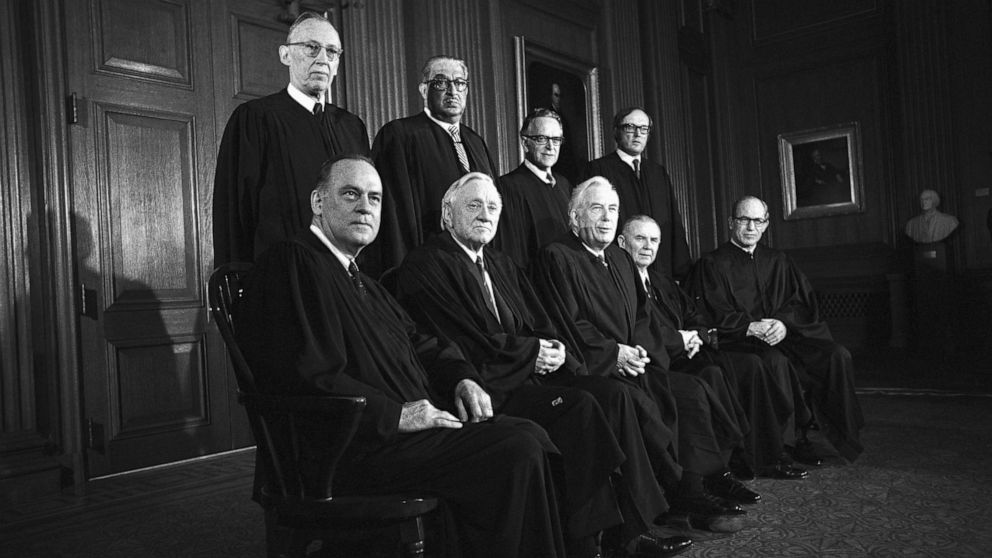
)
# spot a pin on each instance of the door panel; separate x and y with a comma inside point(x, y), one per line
point(156, 385)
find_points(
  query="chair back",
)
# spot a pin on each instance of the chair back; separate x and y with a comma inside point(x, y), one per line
point(300, 438)
point(224, 292)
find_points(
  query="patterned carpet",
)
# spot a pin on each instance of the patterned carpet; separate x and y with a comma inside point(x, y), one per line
point(921, 489)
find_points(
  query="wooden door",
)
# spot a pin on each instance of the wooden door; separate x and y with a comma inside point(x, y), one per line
point(156, 384)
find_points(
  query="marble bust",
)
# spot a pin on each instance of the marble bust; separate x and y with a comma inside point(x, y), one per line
point(931, 225)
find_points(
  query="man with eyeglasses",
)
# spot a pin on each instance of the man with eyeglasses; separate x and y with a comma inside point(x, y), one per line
point(762, 303)
point(535, 198)
point(273, 147)
point(644, 188)
point(420, 156)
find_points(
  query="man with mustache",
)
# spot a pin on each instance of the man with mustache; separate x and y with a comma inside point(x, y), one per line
point(273, 147)
point(419, 157)
point(644, 188)
point(312, 323)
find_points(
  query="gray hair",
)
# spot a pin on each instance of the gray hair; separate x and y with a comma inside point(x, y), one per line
point(641, 218)
point(426, 71)
point(745, 199)
point(304, 17)
point(449, 195)
point(580, 194)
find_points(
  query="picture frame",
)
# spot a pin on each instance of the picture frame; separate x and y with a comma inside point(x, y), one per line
point(550, 79)
point(821, 171)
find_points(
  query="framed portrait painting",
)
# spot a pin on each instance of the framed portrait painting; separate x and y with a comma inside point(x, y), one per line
point(570, 87)
point(821, 171)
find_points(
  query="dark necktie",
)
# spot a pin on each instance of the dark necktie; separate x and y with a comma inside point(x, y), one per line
point(551, 179)
point(356, 278)
point(318, 110)
point(456, 136)
point(487, 293)
point(637, 168)
point(602, 260)
point(648, 289)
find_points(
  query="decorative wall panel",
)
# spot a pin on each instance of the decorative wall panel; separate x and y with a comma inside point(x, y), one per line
point(146, 40)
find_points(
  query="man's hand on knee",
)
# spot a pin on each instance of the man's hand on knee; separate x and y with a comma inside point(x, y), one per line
point(423, 415)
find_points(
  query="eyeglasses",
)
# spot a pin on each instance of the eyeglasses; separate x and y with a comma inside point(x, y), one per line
point(312, 50)
point(441, 84)
point(543, 140)
point(757, 222)
point(631, 128)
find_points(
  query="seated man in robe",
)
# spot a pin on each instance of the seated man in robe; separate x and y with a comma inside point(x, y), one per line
point(769, 393)
point(760, 302)
point(457, 287)
point(312, 323)
point(590, 288)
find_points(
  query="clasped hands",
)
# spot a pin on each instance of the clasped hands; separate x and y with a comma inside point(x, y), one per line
point(550, 357)
point(769, 330)
point(692, 342)
point(471, 401)
point(631, 361)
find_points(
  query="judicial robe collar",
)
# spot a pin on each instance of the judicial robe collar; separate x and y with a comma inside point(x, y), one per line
point(472, 255)
point(444, 125)
point(595, 254)
point(748, 251)
point(305, 101)
point(341, 256)
point(540, 174)
point(628, 158)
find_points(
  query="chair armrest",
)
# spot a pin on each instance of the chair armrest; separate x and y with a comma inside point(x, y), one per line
point(302, 438)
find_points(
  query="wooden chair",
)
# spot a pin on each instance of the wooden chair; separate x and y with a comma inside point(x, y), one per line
point(296, 495)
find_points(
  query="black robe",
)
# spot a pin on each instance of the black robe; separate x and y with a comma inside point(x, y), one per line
point(439, 287)
point(267, 166)
point(651, 195)
point(534, 214)
point(305, 329)
point(767, 394)
point(597, 307)
point(417, 161)
point(737, 289)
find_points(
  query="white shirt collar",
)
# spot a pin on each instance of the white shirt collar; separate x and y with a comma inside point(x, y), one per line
point(593, 252)
point(341, 256)
point(643, 272)
point(627, 157)
point(746, 249)
point(542, 175)
point(471, 254)
point(442, 124)
point(306, 101)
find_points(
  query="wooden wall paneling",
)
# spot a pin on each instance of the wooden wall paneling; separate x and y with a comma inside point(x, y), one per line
point(374, 42)
point(459, 29)
point(732, 134)
point(927, 146)
point(665, 86)
point(566, 28)
point(27, 469)
point(970, 66)
point(815, 92)
point(781, 19)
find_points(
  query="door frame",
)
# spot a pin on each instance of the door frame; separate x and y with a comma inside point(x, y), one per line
point(60, 316)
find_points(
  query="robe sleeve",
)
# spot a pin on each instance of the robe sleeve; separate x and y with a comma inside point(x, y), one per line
point(559, 284)
point(710, 290)
point(236, 187)
point(447, 302)
point(797, 306)
point(293, 338)
point(399, 231)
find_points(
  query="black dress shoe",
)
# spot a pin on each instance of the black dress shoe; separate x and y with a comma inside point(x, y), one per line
point(783, 471)
point(706, 511)
point(648, 546)
point(727, 487)
point(805, 453)
point(739, 467)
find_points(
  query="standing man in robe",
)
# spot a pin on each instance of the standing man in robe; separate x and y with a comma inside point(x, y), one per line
point(590, 288)
point(420, 156)
point(273, 147)
point(644, 189)
point(312, 323)
point(459, 288)
point(769, 393)
point(762, 303)
point(535, 198)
